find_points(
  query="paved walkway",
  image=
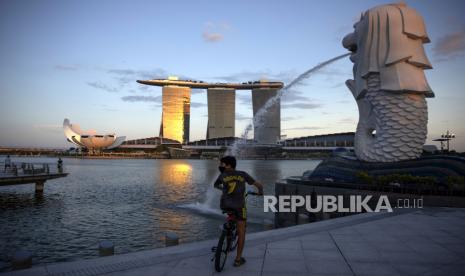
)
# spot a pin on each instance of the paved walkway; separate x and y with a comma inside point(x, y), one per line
point(423, 242)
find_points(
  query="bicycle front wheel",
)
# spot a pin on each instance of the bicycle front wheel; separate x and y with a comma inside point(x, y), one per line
point(221, 252)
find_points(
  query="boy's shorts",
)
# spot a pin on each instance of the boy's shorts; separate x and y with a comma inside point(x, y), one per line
point(240, 213)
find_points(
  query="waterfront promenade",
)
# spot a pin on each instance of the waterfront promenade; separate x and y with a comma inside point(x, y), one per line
point(427, 241)
point(25, 173)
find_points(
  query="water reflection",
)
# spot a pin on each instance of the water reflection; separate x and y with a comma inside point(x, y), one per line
point(174, 173)
point(130, 202)
point(13, 201)
point(173, 180)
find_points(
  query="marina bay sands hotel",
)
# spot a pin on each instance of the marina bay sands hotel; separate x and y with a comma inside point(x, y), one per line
point(221, 97)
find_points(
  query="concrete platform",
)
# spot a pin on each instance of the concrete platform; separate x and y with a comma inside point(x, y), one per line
point(428, 241)
point(27, 179)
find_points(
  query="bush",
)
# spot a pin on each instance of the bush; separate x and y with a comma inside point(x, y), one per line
point(455, 179)
point(364, 178)
point(455, 182)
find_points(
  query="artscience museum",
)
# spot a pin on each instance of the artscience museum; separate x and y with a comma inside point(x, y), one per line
point(90, 139)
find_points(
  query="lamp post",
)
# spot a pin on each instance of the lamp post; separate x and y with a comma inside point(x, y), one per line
point(447, 137)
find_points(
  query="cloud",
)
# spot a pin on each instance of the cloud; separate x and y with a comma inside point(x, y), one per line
point(337, 85)
point(197, 91)
point(212, 37)
point(102, 86)
point(293, 96)
point(125, 78)
point(244, 76)
point(290, 99)
point(144, 87)
point(156, 99)
point(157, 73)
point(197, 104)
point(304, 128)
point(241, 117)
point(348, 120)
point(105, 107)
point(121, 71)
point(285, 76)
point(213, 32)
point(450, 45)
point(284, 119)
point(244, 99)
point(64, 67)
point(305, 105)
point(297, 100)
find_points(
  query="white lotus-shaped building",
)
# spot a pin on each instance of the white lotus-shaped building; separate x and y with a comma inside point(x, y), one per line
point(90, 139)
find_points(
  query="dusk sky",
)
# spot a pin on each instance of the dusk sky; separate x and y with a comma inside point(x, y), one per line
point(81, 59)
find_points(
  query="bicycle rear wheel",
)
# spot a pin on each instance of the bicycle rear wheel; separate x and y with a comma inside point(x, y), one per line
point(221, 252)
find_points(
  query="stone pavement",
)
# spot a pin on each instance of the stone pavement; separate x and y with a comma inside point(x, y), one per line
point(421, 242)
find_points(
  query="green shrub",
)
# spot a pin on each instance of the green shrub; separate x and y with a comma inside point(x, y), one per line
point(455, 179)
point(364, 178)
point(455, 182)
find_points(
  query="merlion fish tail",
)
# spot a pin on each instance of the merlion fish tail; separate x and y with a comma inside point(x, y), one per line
point(394, 128)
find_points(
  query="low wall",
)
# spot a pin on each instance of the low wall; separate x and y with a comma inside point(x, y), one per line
point(303, 216)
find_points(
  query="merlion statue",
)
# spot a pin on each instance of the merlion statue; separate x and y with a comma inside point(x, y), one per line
point(389, 83)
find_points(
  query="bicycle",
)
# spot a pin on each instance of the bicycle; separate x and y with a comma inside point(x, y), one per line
point(228, 238)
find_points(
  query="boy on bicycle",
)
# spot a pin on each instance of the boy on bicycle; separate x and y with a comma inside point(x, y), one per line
point(232, 183)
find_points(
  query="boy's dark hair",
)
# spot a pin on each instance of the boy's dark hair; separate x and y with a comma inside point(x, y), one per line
point(229, 160)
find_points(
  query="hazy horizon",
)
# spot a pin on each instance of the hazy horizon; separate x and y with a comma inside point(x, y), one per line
point(81, 59)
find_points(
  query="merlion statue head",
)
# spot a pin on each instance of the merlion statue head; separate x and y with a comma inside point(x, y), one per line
point(389, 83)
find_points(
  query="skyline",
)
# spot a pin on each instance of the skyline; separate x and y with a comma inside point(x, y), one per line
point(81, 60)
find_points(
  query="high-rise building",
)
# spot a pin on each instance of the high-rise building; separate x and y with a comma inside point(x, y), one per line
point(267, 127)
point(176, 113)
point(221, 108)
point(221, 112)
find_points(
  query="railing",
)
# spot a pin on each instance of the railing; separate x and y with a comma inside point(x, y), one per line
point(29, 169)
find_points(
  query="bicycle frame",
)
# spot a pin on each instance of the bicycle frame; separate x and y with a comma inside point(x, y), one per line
point(228, 239)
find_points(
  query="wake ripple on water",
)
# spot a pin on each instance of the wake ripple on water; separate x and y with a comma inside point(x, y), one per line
point(205, 210)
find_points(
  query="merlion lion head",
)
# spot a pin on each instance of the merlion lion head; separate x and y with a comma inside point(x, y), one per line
point(389, 83)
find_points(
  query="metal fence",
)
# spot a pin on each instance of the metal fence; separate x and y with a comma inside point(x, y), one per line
point(27, 169)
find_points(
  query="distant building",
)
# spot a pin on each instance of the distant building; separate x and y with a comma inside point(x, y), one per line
point(221, 112)
point(147, 143)
point(323, 141)
point(90, 139)
point(345, 139)
point(175, 123)
point(221, 108)
point(221, 141)
point(267, 129)
point(430, 148)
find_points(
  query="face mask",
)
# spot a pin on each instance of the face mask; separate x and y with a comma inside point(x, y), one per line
point(221, 168)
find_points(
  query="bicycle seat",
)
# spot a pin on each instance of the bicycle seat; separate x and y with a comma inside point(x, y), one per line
point(233, 212)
